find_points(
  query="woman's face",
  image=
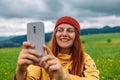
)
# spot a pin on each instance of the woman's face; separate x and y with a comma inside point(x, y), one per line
point(65, 35)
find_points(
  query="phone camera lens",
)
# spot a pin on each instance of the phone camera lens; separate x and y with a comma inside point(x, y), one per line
point(34, 29)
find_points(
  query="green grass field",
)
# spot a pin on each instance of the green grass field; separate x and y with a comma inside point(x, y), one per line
point(106, 56)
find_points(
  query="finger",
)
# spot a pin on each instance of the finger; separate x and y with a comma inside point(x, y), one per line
point(53, 68)
point(47, 57)
point(33, 52)
point(49, 63)
point(47, 49)
point(24, 62)
point(32, 58)
point(27, 45)
point(45, 66)
point(32, 55)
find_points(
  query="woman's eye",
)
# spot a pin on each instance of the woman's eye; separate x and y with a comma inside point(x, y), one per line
point(71, 30)
point(59, 30)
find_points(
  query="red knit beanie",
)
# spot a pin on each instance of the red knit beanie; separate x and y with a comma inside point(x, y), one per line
point(68, 20)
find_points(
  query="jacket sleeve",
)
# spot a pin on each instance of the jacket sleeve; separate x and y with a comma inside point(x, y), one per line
point(33, 73)
point(90, 71)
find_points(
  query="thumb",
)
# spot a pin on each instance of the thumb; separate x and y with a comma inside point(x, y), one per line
point(47, 49)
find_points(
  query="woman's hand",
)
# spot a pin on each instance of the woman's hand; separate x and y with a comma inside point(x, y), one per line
point(52, 65)
point(26, 57)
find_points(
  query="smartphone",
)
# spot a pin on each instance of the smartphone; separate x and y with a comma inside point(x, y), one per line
point(36, 35)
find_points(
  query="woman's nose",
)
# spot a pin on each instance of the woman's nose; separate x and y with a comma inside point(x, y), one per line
point(64, 33)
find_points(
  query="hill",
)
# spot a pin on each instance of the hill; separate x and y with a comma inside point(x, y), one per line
point(105, 29)
point(106, 56)
point(2, 38)
point(18, 40)
point(13, 41)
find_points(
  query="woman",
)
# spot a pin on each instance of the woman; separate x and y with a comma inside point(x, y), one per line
point(64, 60)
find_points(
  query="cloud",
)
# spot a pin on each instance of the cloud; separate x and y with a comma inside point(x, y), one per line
point(99, 22)
point(15, 14)
point(48, 10)
point(19, 26)
point(22, 8)
point(102, 6)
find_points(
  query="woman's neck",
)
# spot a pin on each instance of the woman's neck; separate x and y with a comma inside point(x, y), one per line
point(64, 51)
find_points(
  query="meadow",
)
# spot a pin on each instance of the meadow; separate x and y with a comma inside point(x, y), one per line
point(103, 48)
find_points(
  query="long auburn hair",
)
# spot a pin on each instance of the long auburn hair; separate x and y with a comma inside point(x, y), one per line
point(76, 51)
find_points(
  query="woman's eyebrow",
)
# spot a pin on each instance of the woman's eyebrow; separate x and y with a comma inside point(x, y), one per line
point(71, 28)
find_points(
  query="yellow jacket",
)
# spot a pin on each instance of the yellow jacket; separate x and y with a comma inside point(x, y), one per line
point(90, 72)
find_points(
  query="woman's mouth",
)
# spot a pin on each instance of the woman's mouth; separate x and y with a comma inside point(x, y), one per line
point(64, 40)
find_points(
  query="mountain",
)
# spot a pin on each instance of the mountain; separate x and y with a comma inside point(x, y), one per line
point(4, 38)
point(105, 29)
point(13, 41)
point(18, 40)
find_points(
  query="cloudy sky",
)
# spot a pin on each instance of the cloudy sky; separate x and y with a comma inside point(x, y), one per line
point(15, 14)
